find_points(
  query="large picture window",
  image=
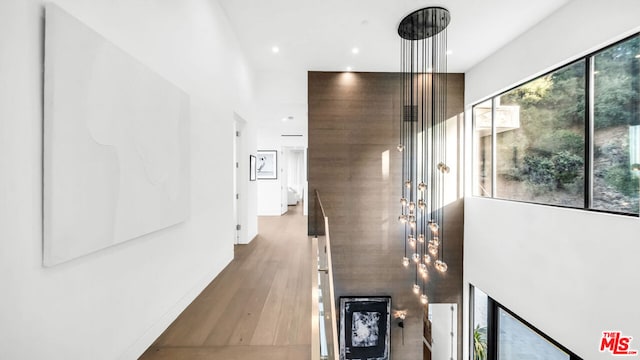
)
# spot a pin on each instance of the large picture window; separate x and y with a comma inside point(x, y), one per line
point(540, 139)
point(568, 138)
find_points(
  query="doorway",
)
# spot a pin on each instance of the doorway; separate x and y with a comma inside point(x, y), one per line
point(296, 177)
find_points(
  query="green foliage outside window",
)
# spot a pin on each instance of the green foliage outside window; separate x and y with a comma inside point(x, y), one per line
point(538, 160)
point(540, 154)
point(479, 343)
point(616, 85)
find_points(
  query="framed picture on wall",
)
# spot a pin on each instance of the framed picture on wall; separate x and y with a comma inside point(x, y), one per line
point(364, 327)
point(252, 168)
point(267, 165)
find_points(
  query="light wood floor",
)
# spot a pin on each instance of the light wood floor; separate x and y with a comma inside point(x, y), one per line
point(259, 307)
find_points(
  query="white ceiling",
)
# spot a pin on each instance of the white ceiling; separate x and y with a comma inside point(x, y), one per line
point(319, 35)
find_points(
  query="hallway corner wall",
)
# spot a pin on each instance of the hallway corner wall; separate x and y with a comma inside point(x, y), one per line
point(112, 304)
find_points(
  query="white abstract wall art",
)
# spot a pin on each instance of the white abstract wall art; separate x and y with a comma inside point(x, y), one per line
point(116, 144)
point(267, 164)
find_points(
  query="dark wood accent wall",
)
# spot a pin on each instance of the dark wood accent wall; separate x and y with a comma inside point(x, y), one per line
point(353, 163)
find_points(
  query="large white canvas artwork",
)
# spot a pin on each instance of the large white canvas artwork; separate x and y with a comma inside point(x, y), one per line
point(116, 144)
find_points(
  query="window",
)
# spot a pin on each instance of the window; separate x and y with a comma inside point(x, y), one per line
point(499, 334)
point(616, 127)
point(480, 324)
point(540, 139)
point(516, 341)
point(568, 138)
point(482, 141)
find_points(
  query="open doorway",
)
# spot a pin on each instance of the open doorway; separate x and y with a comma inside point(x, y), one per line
point(296, 178)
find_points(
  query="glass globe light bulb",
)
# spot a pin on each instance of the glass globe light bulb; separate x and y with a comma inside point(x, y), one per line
point(422, 186)
point(422, 204)
point(443, 168)
point(402, 218)
point(407, 184)
point(427, 259)
point(416, 257)
point(441, 266)
point(403, 201)
point(435, 241)
point(405, 261)
point(433, 249)
point(420, 238)
point(422, 268)
point(433, 226)
point(400, 147)
point(412, 224)
point(412, 206)
point(412, 243)
point(424, 299)
point(416, 289)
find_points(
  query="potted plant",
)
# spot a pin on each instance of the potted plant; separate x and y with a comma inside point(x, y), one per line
point(479, 343)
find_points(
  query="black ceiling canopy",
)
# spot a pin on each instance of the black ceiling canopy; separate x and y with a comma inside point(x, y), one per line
point(424, 23)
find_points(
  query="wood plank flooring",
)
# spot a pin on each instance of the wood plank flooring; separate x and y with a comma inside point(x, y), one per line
point(259, 307)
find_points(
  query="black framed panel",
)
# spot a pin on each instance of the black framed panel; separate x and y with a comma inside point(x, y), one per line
point(365, 327)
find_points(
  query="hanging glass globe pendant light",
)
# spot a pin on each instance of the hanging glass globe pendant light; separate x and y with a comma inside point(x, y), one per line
point(422, 145)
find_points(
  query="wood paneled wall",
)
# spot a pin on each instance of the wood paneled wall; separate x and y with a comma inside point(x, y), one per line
point(353, 163)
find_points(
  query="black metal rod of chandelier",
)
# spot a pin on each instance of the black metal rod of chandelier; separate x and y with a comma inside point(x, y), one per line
point(423, 141)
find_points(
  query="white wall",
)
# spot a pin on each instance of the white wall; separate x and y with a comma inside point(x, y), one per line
point(575, 30)
point(269, 191)
point(112, 304)
point(571, 273)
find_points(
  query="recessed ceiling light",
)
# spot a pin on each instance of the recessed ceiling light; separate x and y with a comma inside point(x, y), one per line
point(275, 49)
point(449, 52)
point(355, 50)
point(348, 68)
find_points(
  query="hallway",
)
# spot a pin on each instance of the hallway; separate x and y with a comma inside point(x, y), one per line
point(259, 307)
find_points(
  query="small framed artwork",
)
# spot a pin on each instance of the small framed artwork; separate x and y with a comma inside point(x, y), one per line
point(252, 168)
point(267, 165)
point(364, 327)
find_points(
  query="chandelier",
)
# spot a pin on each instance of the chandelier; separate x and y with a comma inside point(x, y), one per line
point(423, 141)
